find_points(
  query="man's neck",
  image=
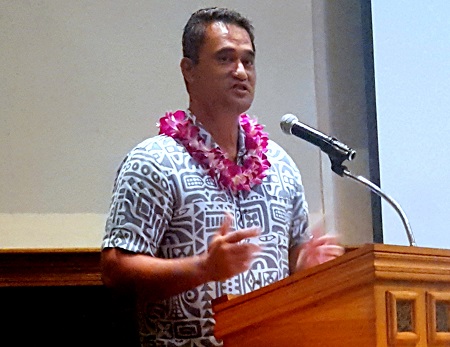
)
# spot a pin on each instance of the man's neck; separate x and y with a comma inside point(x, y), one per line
point(224, 129)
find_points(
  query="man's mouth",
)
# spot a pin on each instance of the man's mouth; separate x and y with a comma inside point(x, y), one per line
point(241, 87)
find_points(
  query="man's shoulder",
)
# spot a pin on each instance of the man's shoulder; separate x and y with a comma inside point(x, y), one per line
point(158, 150)
point(158, 141)
point(275, 151)
point(155, 144)
point(281, 162)
point(272, 145)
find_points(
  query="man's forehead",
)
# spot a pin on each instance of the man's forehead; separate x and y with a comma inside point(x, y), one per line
point(220, 27)
point(227, 31)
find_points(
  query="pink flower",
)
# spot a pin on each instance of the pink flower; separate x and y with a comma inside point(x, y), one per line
point(228, 174)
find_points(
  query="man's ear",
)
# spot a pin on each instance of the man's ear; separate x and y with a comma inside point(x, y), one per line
point(187, 68)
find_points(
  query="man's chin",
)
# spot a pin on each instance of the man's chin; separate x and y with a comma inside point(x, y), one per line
point(242, 106)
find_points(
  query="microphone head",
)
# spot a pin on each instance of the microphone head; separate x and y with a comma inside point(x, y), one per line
point(287, 122)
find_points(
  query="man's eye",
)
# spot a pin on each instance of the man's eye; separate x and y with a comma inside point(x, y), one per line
point(224, 59)
point(248, 62)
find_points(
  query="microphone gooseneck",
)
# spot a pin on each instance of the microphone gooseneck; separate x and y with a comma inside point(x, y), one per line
point(374, 188)
point(338, 153)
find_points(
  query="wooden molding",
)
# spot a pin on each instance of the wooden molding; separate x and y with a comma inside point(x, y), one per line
point(437, 338)
point(348, 301)
point(396, 337)
point(50, 267)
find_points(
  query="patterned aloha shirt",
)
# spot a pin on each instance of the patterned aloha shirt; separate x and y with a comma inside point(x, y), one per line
point(165, 205)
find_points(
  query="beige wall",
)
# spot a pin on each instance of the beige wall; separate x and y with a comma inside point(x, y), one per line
point(83, 82)
point(342, 111)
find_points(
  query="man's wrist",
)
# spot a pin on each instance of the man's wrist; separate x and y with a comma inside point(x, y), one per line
point(202, 269)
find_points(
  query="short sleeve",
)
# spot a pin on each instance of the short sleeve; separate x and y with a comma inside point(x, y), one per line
point(141, 205)
point(299, 232)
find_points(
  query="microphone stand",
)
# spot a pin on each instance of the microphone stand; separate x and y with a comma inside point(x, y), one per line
point(337, 167)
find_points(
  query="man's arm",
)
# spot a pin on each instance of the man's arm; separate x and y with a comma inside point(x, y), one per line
point(159, 278)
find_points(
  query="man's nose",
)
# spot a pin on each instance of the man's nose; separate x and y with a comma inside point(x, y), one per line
point(240, 71)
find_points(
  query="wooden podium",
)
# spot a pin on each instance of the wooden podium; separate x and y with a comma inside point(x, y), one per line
point(373, 296)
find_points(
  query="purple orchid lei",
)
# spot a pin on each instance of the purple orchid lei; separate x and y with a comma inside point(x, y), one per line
point(229, 174)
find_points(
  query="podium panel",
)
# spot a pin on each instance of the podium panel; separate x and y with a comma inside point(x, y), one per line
point(376, 295)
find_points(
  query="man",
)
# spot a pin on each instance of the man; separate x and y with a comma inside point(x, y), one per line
point(209, 207)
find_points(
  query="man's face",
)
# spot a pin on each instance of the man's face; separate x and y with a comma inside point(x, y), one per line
point(224, 78)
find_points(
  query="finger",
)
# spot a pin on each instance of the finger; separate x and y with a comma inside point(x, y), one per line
point(245, 255)
point(226, 225)
point(244, 250)
point(325, 240)
point(333, 250)
point(242, 234)
point(325, 258)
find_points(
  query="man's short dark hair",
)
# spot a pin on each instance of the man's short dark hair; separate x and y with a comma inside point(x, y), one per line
point(194, 31)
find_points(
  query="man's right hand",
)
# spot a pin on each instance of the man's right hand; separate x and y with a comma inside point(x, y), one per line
point(158, 278)
point(226, 255)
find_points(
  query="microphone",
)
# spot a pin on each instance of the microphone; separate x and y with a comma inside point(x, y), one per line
point(330, 145)
point(338, 152)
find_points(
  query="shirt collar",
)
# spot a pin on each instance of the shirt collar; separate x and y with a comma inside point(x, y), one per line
point(209, 141)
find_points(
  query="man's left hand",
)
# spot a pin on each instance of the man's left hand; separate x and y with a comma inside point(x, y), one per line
point(317, 251)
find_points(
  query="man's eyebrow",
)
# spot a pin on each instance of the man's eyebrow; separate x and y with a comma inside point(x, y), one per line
point(232, 50)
